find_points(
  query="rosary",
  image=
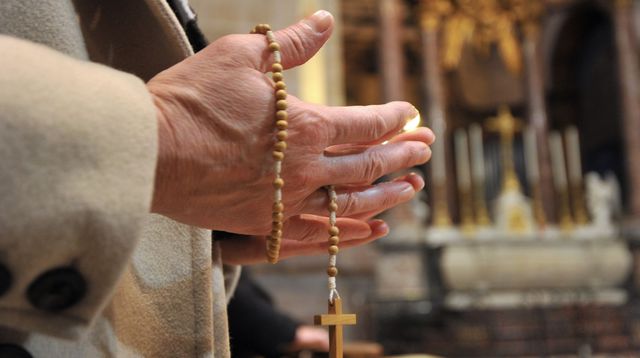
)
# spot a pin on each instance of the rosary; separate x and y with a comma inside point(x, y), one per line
point(335, 319)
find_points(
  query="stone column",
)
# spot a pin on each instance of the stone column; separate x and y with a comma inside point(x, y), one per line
point(629, 77)
point(435, 113)
point(391, 49)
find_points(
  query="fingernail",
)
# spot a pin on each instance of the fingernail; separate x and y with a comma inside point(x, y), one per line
point(414, 112)
point(412, 123)
point(406, 190)
point(433, 137)
point(320, 21)
point(418, 178)
point(379, 227)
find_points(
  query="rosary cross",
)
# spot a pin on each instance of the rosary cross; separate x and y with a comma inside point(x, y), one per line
point(335, 319)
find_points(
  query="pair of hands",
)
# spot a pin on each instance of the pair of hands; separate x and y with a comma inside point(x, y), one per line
point(216, 133)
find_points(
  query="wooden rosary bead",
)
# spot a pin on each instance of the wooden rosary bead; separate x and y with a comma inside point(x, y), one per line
point(282, 115)
point(333, 206)
point(334, 231)
point(262, 28)
point(333, 250)
point(277, 234)
point(278, 206)
point(334, 240)
point(281, 94)
point(273, 242)
point(274, 247)
point(277, 76)
point(281, 135)
point(274, 46)
point(332, 271)
point(281, 146)
point(277, 155)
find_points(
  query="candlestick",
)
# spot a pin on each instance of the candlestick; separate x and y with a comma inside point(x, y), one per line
point(462, 159)
point(438, 153)
point(441, 216)
point(477, 153)
point(573, 155)
point(557, 162)
point(575, 174)
point(560, 179)
point(531, 155)
point(478, 174)
point(533, 174)
point(464, 180)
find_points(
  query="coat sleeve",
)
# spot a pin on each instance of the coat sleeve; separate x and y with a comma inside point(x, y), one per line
point(78, 146)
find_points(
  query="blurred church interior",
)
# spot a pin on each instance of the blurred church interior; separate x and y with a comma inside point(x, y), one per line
point(526, 240)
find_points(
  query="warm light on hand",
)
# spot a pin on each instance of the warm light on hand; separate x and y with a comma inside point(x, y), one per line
point(412, 124)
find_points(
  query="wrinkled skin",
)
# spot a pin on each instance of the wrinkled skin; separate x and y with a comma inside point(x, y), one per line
point(216, 130)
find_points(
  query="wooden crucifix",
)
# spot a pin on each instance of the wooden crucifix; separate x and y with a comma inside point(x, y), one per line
point(335, 319)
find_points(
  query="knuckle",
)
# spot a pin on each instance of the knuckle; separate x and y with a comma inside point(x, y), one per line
point(413, 155)
point(295, 43)
point(376, 127)
point(302, 177)
point(374, 166)
point(315, 130)
point(350, 204)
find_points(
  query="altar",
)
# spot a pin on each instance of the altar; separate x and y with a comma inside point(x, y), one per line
point(528, 214)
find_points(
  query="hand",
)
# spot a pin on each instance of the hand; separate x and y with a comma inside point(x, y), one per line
point(310, 338)
point(216, 132)
point(307, 234)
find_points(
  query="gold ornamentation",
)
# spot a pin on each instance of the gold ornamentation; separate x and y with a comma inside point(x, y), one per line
point(482, 24)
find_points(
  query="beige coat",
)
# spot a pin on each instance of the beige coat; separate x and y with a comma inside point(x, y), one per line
point(85, 271)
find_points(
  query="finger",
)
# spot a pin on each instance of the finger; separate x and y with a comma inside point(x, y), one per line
point(373, 163)
point(374, 198)
point(416, 181)
point(362, 124)
point(377, 229)
point(421, 134)
point(312, 228)
point(303, 235)
point(352, 233)
point(298, 42)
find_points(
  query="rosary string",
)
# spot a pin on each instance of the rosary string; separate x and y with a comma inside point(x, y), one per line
point(281, 117)
point(334, 239)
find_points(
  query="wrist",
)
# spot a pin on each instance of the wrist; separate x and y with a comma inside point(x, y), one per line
point(166, 151)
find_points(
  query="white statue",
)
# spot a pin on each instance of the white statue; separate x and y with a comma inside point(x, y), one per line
point(603, 201)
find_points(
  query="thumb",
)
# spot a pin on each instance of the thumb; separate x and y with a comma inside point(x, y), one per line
point(298, 42)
